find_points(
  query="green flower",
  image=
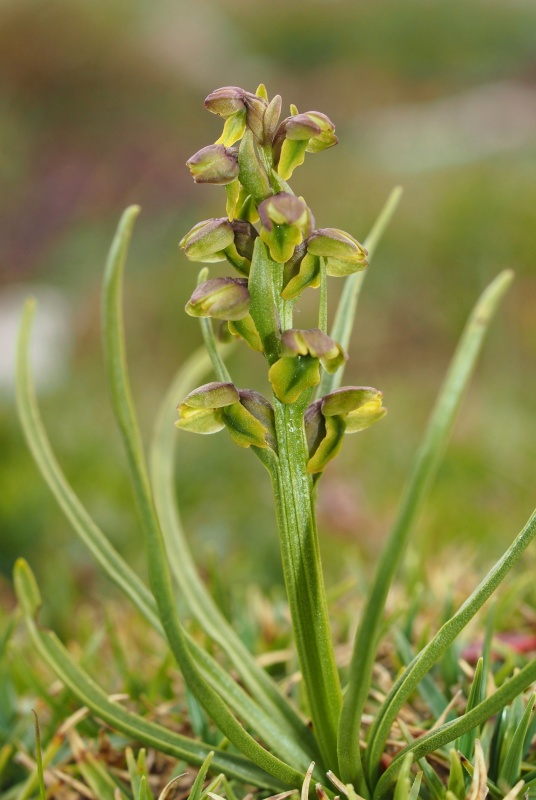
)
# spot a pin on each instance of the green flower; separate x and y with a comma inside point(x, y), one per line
point(310, 132)
point(214, 164)
point(347, 410)
point(298, 369)
point(284, 219)
point(344, 255)
point(220, 298)
point(208, 240)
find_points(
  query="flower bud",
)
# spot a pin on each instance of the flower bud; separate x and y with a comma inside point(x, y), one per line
point(207, 240)
point(252, 174)
point(201, 410)
point(326, 137)
point(310, 132)
point(343, 253)
point(271, 118)
point(238, 108)
point(225, 101)
point(216, 394)
point(214, 164)
point(220, 298)
point(347, 410)
point(360, 406)
point(284, 218)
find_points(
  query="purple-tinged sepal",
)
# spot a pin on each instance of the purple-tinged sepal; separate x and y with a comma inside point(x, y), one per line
point(214, 164)
point(344, 255)
point(220, 298)
point(201, 410)
point(208, 240)
point(310, 132)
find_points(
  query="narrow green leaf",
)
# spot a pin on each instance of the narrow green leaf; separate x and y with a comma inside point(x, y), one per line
point(421, 665)
point(137, 770)
point(197, 787)
point(402, 786)
point(139, 729)
point(511, 766)
point(345, 314)
point(466, 744)
point(96, 542)
point(39, 760)
point(456, 783)
point(157, 560)
point(451, 730)
point(428, 688)
point(432, 780)
point(415, 788)
point(423, 472)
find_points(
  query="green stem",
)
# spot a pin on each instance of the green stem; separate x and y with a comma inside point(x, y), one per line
point(302, 567)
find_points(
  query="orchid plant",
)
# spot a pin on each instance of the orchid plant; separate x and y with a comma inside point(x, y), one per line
point(270, 238)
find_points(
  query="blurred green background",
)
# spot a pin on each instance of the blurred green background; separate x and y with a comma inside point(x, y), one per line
point(101, 103)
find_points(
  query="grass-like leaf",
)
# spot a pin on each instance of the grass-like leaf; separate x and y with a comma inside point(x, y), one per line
point(158, 567)
point(39, 444)
point(477, 693)
point(422, 664)
point(39, 760)
point(132, 725)
point(439, 737)
point(511, 765)
point(421, 477)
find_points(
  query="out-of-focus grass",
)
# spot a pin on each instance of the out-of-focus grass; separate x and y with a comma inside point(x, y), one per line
point(102, 104)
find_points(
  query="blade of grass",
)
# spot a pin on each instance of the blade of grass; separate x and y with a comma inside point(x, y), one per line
point(39, 760)
point(511, 765)
point(94, 772)
point(194, 591)
point(345, 314)
point(428, 688)
point(157, 562)
point(452, 730)
point(477, 694)
point(423, 472)
point(422, 664)
point(132, 725)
